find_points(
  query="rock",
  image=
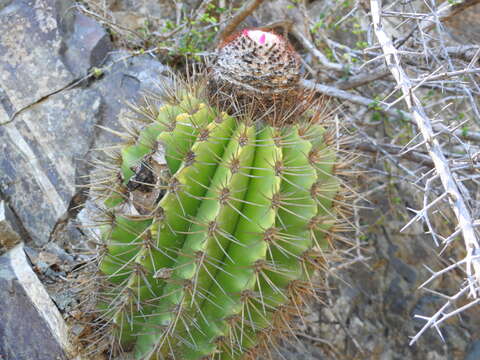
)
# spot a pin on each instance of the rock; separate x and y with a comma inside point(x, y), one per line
point(30, 67)
point(295, 350)
point(4, 3)
point(146, 7)
point(70, 236)
point(9, 235)
point(42, 151)
point(86, 217)
point(464, 27)
point(31, 327)
point(133, 14)
point(45, 46)
point(126, 79)
point(86, 44)
point(48, 144)
point(372, 307)
point(60, 254)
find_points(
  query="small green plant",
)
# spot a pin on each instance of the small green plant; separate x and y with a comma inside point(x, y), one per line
point(357, 29)
point(361, 45)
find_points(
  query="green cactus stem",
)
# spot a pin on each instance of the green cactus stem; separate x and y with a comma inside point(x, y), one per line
point(219, 210)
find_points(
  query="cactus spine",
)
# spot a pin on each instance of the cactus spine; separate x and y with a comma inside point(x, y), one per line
point(222, 203)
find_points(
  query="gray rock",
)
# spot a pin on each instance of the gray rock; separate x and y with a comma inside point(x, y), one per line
point(296, 351)
point(30, 67)
point(371, 312)
point(135, 14)
point(125, 81)
point(41, 152)
point(31, 327)
point(86, 44)
point(45, 46)
point(60, 253)
point(4, 3)
point(86, 217)
point(45, 147)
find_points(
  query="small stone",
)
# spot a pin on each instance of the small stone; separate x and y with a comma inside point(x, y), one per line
point(61, 256)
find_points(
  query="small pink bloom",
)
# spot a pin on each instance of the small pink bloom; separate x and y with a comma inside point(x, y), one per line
point(262, 39)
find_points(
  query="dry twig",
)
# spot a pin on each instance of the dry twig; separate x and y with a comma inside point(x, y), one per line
point(445, 11)
point(241, 14)
point(443, 170)
point(317, 53)
point(395, 113)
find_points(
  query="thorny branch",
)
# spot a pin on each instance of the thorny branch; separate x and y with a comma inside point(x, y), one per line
point(396, 113)
point(456, 198)
point(446, 11)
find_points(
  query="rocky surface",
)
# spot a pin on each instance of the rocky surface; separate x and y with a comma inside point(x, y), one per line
point(465, 26)
point(48, 85)
point(31, 327)
point(40, 154)
point(44, 56)
point(54, 123)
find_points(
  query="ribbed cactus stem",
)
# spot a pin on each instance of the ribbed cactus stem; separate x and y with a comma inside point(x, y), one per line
point(219, 209)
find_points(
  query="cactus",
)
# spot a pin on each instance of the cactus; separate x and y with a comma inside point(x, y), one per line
point(221, 204)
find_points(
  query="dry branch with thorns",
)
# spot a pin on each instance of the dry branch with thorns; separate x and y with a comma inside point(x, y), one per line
point(458, 199)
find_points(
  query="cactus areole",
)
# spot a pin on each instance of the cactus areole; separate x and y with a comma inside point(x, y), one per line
point(222, 204)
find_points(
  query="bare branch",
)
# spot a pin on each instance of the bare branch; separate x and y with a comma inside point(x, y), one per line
point(362, 79)
point(241, 14)
point(466, 52)
point(418, 157)
point(441, 315)
point(317, 53)
point(445, 11)
point(454, 191)
point(447, 177)
point(447, 75)
point(396, 113)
